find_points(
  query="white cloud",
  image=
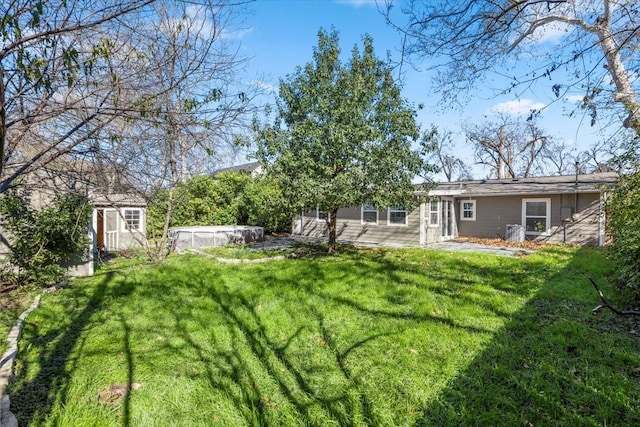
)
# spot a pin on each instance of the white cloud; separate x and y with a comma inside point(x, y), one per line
point(204, 22)
point(517, 107)
point(236, 34)
point(574, 98)
point(358, 3)
point(550, 33)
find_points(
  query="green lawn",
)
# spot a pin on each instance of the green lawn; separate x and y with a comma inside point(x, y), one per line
point(246, 252)
point(367, 337)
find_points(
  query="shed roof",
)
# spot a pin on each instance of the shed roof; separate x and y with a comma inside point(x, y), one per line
point(116, 200)
point(585, 183)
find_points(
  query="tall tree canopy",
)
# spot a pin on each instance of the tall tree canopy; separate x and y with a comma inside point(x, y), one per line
point(594, 52)
point(342, 135)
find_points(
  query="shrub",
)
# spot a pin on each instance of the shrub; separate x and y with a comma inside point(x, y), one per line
point(623, 213)
point(231, 198)
point(43, 240)
point(202, 200)
point(265, 205)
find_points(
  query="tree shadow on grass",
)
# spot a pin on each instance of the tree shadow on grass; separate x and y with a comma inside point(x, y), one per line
point(545, 368)
point(294, 380)
point(258, 366)
point(32, 400)
point(234, 371)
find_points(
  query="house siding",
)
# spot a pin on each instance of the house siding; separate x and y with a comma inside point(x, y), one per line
point(576, 213)
point(115, 237)
point(583, 227)
point(493, 214)
point(574, 217)
point(349, 228)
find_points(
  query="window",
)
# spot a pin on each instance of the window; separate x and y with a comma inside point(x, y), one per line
point(468, 210)
point(132, 219)
point(369, 214)
point(434, 213)
point(321, 215)
point(536, 215)
point(397, 216)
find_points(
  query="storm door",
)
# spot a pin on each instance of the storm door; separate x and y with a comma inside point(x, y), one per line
point(447, 219)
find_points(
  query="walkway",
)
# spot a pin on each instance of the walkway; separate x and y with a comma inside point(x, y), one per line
point(451, 245)
point(462, 246)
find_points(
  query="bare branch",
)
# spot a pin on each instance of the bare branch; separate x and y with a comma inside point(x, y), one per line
point(467, 40)
point(605, 304)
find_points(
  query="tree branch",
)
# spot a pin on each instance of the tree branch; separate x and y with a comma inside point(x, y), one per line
point(78, 27)
point(605, 304)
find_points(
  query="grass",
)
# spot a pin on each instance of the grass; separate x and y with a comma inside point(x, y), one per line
point(367, 337)
point(12, 304)
point(247, 252)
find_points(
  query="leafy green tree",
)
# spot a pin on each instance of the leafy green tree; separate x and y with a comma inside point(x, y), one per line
point(342, 134)
point(42, 241)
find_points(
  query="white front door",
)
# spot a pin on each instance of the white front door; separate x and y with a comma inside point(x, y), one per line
point(447, 219)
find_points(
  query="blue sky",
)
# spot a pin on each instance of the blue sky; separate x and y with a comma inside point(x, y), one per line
point(279, 35)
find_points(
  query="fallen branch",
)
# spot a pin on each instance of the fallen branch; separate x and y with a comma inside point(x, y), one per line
point(605, 304)
point(8, 288)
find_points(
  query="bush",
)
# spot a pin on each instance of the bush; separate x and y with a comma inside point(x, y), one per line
point(231, 198)
point(202, 200)
point(623, 213)
point(43, 240)
point(266, 206)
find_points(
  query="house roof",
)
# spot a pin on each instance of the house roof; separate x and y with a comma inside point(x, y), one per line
point(586, 183)
point(246, 167)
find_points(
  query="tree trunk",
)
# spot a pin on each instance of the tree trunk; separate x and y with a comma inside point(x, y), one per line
point(3, 121)
point(501, 148)
point(620, 76)
point(332, 220)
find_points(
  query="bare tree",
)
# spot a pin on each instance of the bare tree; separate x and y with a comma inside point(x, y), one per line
point(72, 71)
point(557, 159)
point(144, 90)
point(600, 157)
point(509, 147)
point(56, 85)
point(439, 152)
point(187, 106)
point(595, 51)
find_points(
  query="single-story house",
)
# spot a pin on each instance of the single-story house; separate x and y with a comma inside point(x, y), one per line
point(560, 209)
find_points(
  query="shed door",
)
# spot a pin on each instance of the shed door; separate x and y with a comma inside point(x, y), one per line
point(111, 229)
